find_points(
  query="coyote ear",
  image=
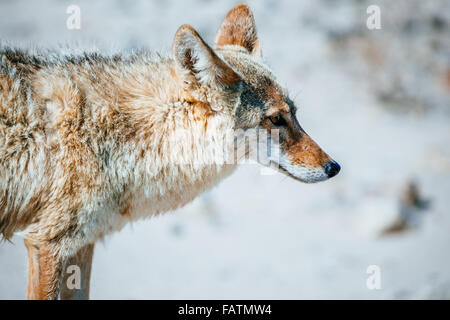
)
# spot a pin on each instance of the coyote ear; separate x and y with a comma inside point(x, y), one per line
point(239, 28)
point(193, 55)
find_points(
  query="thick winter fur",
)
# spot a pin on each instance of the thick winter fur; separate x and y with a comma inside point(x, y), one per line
point(89, 142)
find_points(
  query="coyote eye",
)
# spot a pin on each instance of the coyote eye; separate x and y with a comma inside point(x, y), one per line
point(277, 120)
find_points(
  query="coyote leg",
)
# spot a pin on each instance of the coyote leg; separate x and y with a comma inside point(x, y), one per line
point(83, 260)
point(44, 272)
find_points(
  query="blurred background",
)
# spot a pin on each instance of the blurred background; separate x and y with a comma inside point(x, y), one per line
point(377, 100)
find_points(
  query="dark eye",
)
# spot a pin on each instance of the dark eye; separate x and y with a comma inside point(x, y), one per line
point(277, 120)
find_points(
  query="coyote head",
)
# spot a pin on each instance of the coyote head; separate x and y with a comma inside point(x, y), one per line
point(233, 78)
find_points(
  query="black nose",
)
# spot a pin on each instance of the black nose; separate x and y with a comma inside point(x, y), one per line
point(332, 168)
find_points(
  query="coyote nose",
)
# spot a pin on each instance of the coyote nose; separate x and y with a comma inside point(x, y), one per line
point(332, 168)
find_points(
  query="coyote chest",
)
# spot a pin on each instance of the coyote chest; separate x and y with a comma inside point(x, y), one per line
point(153, 171)
point(187, 165)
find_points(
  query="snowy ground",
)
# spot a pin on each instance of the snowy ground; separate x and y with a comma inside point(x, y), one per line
point(257, 236)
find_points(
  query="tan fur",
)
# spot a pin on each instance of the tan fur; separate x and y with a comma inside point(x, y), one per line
point(307, 153)
point(239, 29)
point(89, 143)
point(44, 271)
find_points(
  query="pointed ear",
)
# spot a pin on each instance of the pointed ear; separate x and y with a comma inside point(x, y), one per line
point(195, 57)
point(239, 28)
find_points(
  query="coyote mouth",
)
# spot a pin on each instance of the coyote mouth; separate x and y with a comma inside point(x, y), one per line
point(285, 171)
point(281, 169)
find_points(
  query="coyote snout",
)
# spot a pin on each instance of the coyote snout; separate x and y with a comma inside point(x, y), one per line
point(301, 158)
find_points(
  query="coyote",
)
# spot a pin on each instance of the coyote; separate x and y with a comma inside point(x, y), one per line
point(90, 142)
